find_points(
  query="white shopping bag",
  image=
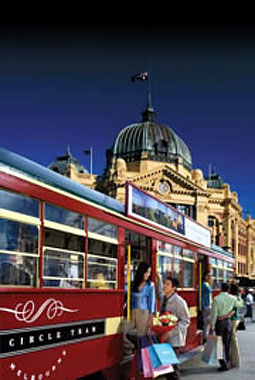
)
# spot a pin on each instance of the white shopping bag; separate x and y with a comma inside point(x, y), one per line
point(219, 348)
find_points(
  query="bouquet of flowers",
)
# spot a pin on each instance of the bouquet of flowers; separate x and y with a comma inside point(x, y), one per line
point(165, 322)
point(167, 319)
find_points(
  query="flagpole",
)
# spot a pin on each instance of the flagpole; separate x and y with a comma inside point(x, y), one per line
point(91, 160)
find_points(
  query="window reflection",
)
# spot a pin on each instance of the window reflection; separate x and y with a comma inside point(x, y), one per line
point(64, 216)
point(101, 228)
point(165, 266)
point(64, 240)
point(19, 203)
point(18, 270)
point(102, 265)
point(19, 237)
point(62, 269)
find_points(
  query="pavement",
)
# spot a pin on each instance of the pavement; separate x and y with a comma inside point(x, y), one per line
point(195, 369)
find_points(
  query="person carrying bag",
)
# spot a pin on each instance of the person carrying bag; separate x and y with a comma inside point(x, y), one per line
point(176, 305)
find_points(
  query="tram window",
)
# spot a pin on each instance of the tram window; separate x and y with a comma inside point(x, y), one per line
point(188, 268)
point(213, 261)
point(165, 266)
point(102, 248)
point(214, 271)
point(64, 216)
point(165, 247)
point(64, 240)
point(19, 270)
point(188, 276)
point(101, 228)
point(188, 254)
point(140, 248)
point(19, 237)
point(19, 203)
point(102, 272)
point(63, 269)
point(102, 265)
point(177, 268)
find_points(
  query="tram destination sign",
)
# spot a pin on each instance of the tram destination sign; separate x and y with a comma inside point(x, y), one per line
point(141, 205)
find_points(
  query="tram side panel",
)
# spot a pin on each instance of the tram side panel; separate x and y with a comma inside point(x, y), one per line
point(59, 335)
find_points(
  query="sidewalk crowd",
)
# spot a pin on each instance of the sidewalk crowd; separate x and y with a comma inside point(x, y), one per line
point(223, 315)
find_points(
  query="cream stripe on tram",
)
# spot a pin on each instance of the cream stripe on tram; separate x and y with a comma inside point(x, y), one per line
point(18, 217)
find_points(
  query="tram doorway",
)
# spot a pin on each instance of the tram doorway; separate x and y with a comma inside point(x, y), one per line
point(138, 248)
point(202, 267)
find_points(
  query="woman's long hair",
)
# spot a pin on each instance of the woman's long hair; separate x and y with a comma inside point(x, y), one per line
point(142, 268)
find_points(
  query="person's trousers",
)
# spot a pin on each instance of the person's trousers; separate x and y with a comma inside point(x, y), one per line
point(235, 353)
point(224, 329)
point(140, 318)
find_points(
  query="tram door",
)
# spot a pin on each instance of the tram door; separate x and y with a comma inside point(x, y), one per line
point(201, 268)
point(137, 249)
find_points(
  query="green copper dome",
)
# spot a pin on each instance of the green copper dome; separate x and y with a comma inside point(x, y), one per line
point(159, 142)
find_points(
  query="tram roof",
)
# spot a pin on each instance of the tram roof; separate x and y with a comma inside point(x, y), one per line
point(52, 178)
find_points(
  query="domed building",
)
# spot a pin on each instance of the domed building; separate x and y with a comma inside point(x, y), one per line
point(155, 158)
point(149, 139)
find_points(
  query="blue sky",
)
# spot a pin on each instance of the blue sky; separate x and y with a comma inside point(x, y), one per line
point(71, 85)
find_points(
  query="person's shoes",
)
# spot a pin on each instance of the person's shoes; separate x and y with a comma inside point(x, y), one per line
point(223, 366)
point(221, 369)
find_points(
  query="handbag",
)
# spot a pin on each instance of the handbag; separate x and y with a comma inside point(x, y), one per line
point(241, 326)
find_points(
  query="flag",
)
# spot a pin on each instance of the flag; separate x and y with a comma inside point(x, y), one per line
point(87, 151)
point(140, 77)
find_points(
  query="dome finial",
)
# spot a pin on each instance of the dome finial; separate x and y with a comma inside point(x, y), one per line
point(149, 114)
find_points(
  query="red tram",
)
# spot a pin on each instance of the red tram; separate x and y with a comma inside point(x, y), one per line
point(62, 278)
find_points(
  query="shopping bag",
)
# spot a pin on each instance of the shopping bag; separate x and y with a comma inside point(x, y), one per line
point(219, 348)
point(162, 370)
point(143, 342)
point(146, 363)
point(162, 354)
point(209, 354)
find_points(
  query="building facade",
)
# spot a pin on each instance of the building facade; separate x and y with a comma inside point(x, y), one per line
point(70, 167)
point(157, 160)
